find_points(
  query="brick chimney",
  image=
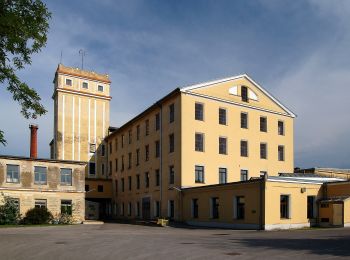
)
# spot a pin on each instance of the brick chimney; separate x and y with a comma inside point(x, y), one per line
point(33, 141)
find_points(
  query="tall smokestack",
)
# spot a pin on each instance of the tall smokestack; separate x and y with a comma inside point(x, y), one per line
point(33, 141)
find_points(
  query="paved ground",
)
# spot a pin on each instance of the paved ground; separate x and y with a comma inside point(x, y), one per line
point(121, 241)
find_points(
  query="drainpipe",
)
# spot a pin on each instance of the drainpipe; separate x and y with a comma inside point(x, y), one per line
point(161, 161)
point(262, 199)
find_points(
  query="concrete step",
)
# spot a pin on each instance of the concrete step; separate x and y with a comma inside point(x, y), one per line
point(93, 222)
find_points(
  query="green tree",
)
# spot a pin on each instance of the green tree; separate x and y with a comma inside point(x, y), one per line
point(23, 28)
point(9, 211)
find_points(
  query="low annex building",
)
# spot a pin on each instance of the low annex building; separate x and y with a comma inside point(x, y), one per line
point(56, 185)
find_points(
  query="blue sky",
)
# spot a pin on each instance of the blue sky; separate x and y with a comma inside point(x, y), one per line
point(297, 50)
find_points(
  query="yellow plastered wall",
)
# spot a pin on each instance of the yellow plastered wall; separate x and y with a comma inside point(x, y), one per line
point(212, 130)
point(298, 202)
point(93, 188)
point(226, 194)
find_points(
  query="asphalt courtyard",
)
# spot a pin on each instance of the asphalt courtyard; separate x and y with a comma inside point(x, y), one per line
point(123, 241)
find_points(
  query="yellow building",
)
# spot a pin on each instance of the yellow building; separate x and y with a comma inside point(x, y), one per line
point(221, 131)
point(81, 122)
point(56, 185)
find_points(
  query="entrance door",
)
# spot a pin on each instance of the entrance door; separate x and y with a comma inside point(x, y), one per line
point(337, 214)
point(146, 208)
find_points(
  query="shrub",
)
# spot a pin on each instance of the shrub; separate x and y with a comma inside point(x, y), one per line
point(9, 212)
point(37, 216)
point(63, 218)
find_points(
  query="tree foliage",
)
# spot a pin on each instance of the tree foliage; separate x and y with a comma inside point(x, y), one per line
point(23, 28)
point(9, 212)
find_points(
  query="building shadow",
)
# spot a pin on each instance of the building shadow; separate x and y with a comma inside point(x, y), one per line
point(335, 246)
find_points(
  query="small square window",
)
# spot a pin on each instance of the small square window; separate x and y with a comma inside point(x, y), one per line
point(100, 188)
point(85, 85)
point(68, 82)
point(100, 88)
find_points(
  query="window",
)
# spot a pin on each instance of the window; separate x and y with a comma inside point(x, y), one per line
point(103, 169)
point(137, 209)
point(280, 127)
point(244, 175)
point(92, 148)
point(130, 160)
point(130, 136)
point(92, 168)
point(110, 148)
point(122, 141)
point(284, 206)
point(110, 168)
point(116, 186)
point(244, 120)
point(17, 204)
point(138, 181)
point(116, 165)
point(199, 111)
point(147, 152)
point(122, 185)
point(171, 209)
point(263, 124)
point(40, 203)
point(281, 153)
point(129, 209)
point(122, 169)
point(263, 151)
point(99, 188)
point(214, 207)
point(85, 85)
point(40, 175)
point(222, 145)
point(103, 150)
point(244, 93)
point(157, 144)
point(68, 82)
point(171, 113)
point(171, 174)
point(122, 209)
point(311, 207)
point(138, 132)
point(156, 209)
point(240, 207)
point(199, 142)
point(66, 176)
point(199, 174)
point(157, 177)
point(116, 144)
point(222, 175)
point(129, 182)
point(194, 208)
point(137, 157)
point(244, 148)
point(147, 127)
point(146, 179)
point(222, 116)
point(100, 88)
point(87, 187)
point(12, 173)
point(157, 126)
point(171, 143)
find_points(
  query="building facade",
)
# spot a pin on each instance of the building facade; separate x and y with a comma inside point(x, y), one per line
point(216, 132)
point(56, 185)
point(81, 122)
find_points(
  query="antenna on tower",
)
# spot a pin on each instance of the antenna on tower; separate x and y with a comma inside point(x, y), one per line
point(82, 53)
point(61, 57)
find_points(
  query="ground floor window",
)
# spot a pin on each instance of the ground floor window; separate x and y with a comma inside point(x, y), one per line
point(311, 206)
point(194, 208)
point(284, 206)
point(214, 207)
point(122, 209)
point(240, 204)
point(137, 209)
point(156, 209)
point(244, 175)
point(171, 209)
point(129, 209)
point(40, 204)
point(66, 207)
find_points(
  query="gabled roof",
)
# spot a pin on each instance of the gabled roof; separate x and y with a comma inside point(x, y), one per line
point(210, 83)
